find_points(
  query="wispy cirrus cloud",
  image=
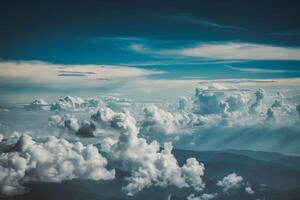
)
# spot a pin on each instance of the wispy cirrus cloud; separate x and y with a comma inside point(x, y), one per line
point(200, 21)
point(225, 51)
point(261, 70)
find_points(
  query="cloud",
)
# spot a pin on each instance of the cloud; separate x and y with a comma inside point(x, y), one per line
point(43, 73)
point(163, 125)
point(72, 124)
point(211, 100)
point(67, 103)
point(150, 166)
point(202, 197)
point(160, 121)
point(86, 129)
point(260, 95)
point(122, 127)
point(298, 109)
point(212, 107)
point(249, 190)
point(226, 51)
point(80, 128)
point(53, 160)
point(260, 70)
point(202, 22)
point(230, 181)
point(38, 104)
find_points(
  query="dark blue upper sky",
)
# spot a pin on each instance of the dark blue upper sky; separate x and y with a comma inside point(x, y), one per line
point(143, 33)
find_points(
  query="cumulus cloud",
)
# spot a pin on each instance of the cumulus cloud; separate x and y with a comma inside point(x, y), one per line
point(55, 120)
point(150, 166)
point(213, 105)
point(74, 103)
point(260, 95)
point(81, 128)
point(160, 121)
point(249, 190)
point(53, 160)
point(157, 121)
point(67, 103)
point(230, 181)
point(122, 128)
point(202, 197)
point(86, 129)
point(38, 104)
point(72, 124)
point(210, 100)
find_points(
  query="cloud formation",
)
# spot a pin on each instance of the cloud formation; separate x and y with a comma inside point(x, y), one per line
point(202, 197)
point(121, 128)
point(38, 104)
point(57, 75)
point(226, 51)
point(249, 190)
point(260, 70)
point(53, 160)
point(230, 181)
point(150, 166)
point(202, 22)
point(68, 103)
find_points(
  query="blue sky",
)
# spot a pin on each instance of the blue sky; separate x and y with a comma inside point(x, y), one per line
point(184, 39)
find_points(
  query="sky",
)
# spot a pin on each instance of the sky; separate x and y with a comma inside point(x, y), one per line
point(85, 85)
point(183, 40)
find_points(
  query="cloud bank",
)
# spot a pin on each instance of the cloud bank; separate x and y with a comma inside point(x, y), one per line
point(53, 160)
point(120, 128)
point(43, 73)
point(150, 166)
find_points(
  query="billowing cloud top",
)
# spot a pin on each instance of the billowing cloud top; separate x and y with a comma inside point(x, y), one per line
point(121, 128)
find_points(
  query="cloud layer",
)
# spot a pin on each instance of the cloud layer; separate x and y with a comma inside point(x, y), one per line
point(137, 138)
point(226, 51)
point(54, 160)
point(36, 72)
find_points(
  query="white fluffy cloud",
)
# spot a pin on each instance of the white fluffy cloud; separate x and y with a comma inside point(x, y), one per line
point(230, 181)
point(146, 163)
point(208, 100)
point(81, 128)
point(131, 134)
point(202, 197)
point(68, 103)
point(157, 120)
point(249, 190)
point(162, 125)
point(213, 105)
point(53, 160)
